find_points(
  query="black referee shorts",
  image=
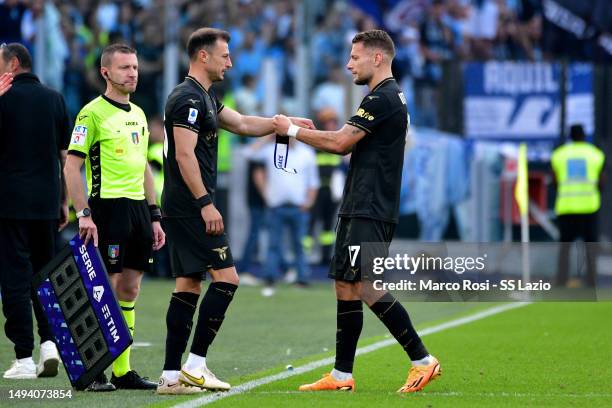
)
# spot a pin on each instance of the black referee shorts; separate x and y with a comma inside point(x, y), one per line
point(192, 251)
point(359, 239)
point(125, 236)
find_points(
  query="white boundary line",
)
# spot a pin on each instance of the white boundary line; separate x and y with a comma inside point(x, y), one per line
point(242, 388)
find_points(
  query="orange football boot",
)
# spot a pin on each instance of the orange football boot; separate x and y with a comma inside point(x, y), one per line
point(329, 383)
point(420, 376)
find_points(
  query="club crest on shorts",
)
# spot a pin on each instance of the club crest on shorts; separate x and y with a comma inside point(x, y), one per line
point(222, 252)
point(113, 251)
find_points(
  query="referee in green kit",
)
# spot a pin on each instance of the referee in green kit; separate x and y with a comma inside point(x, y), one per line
point(111, 137)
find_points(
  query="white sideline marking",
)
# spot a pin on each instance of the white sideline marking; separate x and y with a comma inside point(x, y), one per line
point(474, 394)
point(247, 386)
point(138, 344)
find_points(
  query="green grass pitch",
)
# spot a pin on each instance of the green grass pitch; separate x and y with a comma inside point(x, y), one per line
point(547, 354)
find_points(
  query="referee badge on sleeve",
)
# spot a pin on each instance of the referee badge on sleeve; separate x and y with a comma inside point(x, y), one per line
point(193, 115)
point(79, 134)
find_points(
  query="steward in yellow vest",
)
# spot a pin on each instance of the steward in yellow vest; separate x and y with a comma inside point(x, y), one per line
point(578, 169)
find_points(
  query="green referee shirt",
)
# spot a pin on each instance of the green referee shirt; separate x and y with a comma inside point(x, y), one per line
point(113, 138)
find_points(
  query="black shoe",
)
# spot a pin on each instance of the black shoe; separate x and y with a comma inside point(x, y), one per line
point(302, 284)
point(132, 381)
point(101, 384)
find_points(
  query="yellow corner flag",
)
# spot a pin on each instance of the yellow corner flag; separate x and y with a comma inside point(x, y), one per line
point(521, 191)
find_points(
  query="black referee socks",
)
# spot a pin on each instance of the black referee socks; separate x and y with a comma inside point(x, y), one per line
point(394, 316)
point(212, 312)
point(178, 323)
point(349, 325)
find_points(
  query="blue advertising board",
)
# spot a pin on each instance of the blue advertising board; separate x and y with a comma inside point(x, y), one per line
point(512, 101)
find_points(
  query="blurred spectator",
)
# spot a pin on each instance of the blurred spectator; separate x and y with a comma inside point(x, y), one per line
point(331, 93)
point(126, 26)
point(482, 28)
point(289, 198)
point(408, 65)
point(249, 57)
point(530, 29)
point(437, 42)
point(150, 66)
point(50, 47)
point(437, 47)
point(246, 97)
point(328, 45)
point(107, 15)
point(257, 211)
point(324, 210)
point(11, 15)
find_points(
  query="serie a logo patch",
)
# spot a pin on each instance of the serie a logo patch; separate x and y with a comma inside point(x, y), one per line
point(193, 115)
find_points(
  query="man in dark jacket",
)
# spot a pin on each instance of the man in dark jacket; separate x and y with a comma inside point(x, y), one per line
point(34, 134)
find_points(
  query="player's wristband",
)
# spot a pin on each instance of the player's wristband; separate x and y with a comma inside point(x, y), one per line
point(293, 130)
point(155, 212)
point(204, 200)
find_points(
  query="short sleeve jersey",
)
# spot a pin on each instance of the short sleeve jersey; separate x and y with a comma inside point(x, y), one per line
point(372, 188)
point(113, 138)
point(192, 107)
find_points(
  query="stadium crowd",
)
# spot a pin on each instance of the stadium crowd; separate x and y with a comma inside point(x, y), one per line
point(427, 33)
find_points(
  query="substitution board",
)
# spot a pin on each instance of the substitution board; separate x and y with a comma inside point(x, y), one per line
point(86, 321)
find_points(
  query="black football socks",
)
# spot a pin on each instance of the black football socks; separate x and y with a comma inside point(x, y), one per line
point(212, 312)
point(179, 320)
point(394, 316)
point(349, 325)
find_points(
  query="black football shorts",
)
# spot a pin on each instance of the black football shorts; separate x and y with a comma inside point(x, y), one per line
point(192, 251)
point(358, 241)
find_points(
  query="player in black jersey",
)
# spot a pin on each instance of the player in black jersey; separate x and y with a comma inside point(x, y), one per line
point(194, 227)
point(376, 136)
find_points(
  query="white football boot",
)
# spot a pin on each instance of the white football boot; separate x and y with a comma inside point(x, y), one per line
point(167, 387)
point(202, 377)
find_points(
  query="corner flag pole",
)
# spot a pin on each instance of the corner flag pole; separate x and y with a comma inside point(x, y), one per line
point(521, 194)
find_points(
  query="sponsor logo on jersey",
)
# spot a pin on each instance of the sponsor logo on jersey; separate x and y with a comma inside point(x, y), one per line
point(193, 115)
point(79, 134)
point(363, 114)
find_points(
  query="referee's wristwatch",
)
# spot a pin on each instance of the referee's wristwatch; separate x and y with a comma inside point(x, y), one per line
point(85, 212)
